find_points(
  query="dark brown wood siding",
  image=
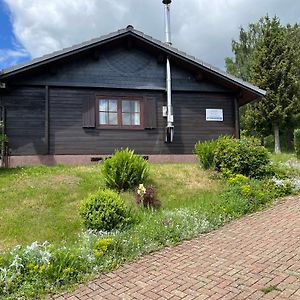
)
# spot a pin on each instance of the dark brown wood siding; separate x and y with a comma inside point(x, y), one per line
point(67, 136)
point(25, 120)
point(120, 68)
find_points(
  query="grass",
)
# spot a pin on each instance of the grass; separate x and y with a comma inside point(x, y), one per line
point(270, 289)
point(283, 157)
point(41, 203)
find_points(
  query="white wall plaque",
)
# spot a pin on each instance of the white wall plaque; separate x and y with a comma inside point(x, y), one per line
point(214, 115)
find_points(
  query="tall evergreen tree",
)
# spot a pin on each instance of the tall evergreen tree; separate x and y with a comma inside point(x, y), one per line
point(242, 49)
point(275, 68)
point(267, 54)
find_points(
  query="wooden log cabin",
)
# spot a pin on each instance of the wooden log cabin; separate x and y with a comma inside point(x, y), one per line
point(83, 102)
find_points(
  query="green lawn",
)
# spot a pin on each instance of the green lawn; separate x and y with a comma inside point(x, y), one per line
point(41, 203)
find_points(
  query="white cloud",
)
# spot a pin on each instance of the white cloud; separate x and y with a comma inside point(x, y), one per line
point(10, 57)
point(203, 28)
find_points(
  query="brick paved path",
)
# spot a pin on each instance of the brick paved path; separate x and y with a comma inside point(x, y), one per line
point(233, 262)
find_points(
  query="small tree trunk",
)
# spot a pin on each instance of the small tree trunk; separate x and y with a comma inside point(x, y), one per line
point(276, 137)
point(262, 140)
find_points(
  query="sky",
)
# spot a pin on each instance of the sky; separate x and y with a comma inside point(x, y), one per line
point(203, 28)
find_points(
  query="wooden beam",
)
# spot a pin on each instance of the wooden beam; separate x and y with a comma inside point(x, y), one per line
point(161, 59)
point(96, 54)
point(237, 118)
point(199, 76)
point(47, 136)
point(53, 70)
point(129, 43)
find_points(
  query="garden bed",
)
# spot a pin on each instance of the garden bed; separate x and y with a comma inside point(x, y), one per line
point(39, 204)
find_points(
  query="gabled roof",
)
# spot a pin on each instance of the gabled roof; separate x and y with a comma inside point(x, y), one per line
point(130, 31)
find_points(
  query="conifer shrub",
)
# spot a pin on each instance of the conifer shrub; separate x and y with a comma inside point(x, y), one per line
point(125, 170)
point(297, 142)
point(104, 211)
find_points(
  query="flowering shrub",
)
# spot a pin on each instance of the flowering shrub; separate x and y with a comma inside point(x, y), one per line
point(286, 186)
point(146, 196)
point(251, 194)
point(29, 271)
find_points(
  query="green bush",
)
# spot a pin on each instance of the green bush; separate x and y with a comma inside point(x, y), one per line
point(125, 170)
point(297, 142)
point(205, 152)
point(242, 156)
point(244, 195)
point(104, 210)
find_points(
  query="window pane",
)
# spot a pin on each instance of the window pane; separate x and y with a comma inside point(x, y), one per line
point(113, 105)
point(103, 105)
point(113, 119)
point(136, 106)
point(136, 119)
point(126, 106)
point(103, 118)
point(126, 119)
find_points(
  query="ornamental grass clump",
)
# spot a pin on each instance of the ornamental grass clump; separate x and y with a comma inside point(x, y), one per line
point(205, 152)
point(104, 211)
point(125, 170)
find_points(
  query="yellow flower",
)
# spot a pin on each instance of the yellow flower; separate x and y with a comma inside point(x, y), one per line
point(103, 243)
point(30, 266)
point(246, 189)
point(238, 178)
point(98, 253)
point(141, 189)
point(42, 268)
point(67, 270)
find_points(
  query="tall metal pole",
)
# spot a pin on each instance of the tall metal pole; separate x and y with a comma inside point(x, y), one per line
point(170, 118)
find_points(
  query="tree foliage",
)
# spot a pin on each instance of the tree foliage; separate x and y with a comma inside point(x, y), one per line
point(268, 55)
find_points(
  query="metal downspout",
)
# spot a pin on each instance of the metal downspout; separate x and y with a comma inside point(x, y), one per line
point(170, 119)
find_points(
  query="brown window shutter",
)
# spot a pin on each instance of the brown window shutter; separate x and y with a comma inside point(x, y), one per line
point(88, 112)
point(150, 113)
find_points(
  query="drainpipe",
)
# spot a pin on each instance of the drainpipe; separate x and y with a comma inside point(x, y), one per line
point(170, 118)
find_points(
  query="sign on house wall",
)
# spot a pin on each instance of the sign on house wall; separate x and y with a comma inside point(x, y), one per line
point(214, 115)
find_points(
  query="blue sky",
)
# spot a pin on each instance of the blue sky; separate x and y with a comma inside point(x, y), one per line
point(11, 51)
point(6, 28)
point(203, 28)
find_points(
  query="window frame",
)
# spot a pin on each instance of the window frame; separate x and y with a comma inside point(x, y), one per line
point(119, 112)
